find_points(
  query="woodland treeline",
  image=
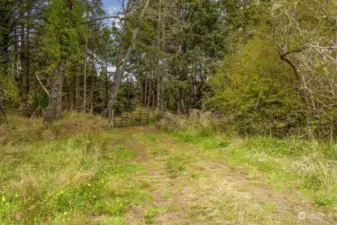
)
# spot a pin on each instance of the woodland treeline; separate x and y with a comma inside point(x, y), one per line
point(264, 66)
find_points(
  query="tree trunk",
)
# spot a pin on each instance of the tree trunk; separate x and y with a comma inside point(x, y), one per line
point(146, 91)
point(77, 89)
point(4, 43)
point(25, 61)
point(116, 83)
point(121, 69)
point(106, 84)
point(149, 94)
point(16, 58)
point(66, 94)
point(159, 43)
point(92, 88)
point(54, 109)
point(22, 63)
point(73, 89)
point(27, 74)
point(158, 94)
point(85, 79)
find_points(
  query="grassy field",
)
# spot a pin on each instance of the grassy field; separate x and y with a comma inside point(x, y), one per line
point(79, 171)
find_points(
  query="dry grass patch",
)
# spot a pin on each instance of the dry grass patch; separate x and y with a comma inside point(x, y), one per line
point(30, 130)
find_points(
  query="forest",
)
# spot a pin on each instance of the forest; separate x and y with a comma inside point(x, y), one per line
point(267, 66)
point(240, 98)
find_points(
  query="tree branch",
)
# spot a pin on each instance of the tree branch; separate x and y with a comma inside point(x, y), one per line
point(44, 88)
point(103, 18)
point(284, 55)
point(297, 50)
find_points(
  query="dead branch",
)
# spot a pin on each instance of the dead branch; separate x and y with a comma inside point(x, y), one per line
point(44, 88)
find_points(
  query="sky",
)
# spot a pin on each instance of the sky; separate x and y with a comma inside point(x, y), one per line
point(111, 6)
point(111, 3)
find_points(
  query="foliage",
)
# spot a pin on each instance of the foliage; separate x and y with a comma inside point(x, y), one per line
point(256, 90)
point(302, 32)
point(61, 36)
point(10, 89)
point(274, 82)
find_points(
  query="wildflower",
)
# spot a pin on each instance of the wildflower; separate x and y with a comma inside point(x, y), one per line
point(3, 199)
point(301, 215)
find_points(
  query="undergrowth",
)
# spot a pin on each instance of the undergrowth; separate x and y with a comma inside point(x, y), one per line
point(23, 130)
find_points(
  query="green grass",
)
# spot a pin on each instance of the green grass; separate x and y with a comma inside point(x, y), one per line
point(67, 180)
point(79, 171)
point(308, 166)
point(174, 166)
point(147, 137)
point(152, 212)
point(207, 140)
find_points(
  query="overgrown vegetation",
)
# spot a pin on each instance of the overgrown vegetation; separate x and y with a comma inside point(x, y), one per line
point(308, 165)
point(69, 173)
point(281, 79)
point(80, 171)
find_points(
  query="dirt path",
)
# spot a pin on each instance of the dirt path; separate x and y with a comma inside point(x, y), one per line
point(187, 188)
point(133, 144)
point(159, 204)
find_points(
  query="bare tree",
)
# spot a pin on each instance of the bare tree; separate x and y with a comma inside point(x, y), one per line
point(308, 46)
point(120, 68)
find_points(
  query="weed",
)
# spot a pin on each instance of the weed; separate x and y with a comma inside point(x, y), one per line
point(174, 166)
point(154, 211)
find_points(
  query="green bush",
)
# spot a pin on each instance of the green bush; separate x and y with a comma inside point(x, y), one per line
point(256, 90)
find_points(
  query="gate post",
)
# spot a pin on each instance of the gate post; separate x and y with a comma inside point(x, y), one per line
point(140, 117)
point(130, 118)
point(148, 117)
point(114, 119)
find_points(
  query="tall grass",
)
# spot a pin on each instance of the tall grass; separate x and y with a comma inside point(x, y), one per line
point(306, 165)
point(22, 129)
point(65, 173)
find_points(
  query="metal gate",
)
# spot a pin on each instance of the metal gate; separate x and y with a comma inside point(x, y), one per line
point(135, 118)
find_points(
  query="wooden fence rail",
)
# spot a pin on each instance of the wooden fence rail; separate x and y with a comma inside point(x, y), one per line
point(135, 118)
